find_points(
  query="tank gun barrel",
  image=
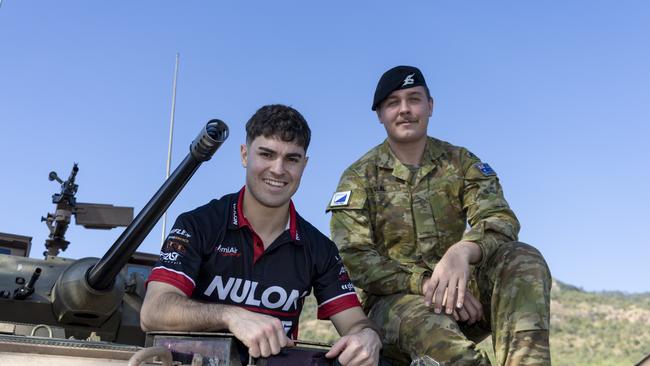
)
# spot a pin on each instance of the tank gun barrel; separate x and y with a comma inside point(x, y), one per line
point(102, 275)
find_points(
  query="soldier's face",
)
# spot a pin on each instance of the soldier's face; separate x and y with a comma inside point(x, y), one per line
point(405, 114)
point(273, 170)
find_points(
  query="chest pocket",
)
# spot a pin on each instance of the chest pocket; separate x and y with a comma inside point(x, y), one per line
point(393, 222)
point(444, 197)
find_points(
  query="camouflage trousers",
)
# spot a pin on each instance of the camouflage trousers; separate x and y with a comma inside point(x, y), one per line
point(514, 287)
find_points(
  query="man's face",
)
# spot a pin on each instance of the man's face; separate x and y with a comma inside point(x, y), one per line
point(273, 169)
point(405, 114)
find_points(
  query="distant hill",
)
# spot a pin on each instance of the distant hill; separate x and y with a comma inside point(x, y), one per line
point(587, 328)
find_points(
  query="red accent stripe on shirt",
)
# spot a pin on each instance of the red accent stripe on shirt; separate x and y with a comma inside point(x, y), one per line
point(293, 230)
point(177, 280)
point(258, 244)
point(325, 311)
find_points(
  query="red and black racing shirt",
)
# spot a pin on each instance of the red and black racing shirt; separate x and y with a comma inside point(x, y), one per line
point(213, 254)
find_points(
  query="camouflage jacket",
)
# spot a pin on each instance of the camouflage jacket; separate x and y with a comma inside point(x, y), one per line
point(392, 228)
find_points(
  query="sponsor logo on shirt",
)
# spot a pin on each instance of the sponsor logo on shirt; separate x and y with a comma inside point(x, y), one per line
point(173, 248)
point(178, 238)
point(180, 232)
point(235, 220)
point(227, 250)
point(348, 286)
point(246, 292)
point(343, 275)
point(286, 324)
point(172, 245)
point(171, 257)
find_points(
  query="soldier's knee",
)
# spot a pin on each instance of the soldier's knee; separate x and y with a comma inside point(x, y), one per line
point(518, 250)
point(526, 256)
point(521, 248)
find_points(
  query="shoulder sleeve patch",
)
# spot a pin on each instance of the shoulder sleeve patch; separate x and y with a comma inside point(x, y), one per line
point(485, 169)
point(340, 199)
point(353, 199)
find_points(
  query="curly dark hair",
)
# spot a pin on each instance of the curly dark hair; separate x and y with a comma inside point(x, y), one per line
point(280, 121)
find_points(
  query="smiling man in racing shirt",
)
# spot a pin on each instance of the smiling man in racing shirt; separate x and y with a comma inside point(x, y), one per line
point(245, 262)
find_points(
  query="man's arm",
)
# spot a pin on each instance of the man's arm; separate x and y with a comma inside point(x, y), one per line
point(360, 344)
point(351, 230)
point(492, 223)
point(491, 220)
point(166, 307)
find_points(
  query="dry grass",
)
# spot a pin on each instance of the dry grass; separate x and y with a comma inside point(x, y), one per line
point(587, 328)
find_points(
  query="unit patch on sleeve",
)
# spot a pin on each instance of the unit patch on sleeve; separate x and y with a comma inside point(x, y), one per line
point(340, 198)
point(485, 169)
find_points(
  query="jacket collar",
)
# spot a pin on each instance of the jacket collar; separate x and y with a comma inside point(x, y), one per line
point(386, 159)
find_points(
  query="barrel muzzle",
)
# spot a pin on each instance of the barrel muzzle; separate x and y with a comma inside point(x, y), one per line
point(209, 139)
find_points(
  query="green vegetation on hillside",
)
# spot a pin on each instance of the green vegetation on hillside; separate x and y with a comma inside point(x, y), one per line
point(598, 328)
point(587, 328)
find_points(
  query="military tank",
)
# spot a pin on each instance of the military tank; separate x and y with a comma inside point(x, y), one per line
point(86, 308)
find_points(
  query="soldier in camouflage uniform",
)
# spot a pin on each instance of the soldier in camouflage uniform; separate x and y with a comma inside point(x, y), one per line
point(399, 217)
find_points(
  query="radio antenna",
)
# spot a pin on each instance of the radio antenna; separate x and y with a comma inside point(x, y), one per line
point(169, 147)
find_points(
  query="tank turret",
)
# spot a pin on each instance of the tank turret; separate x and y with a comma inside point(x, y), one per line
point(90, 297)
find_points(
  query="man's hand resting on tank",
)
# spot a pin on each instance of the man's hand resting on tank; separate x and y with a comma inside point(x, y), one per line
point(262, 334)
point(357, 349)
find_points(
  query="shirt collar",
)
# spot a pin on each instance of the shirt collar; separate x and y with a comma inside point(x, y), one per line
point(238, 219)
point(387, 159)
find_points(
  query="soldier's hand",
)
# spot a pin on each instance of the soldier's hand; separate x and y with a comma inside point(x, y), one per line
point(262, 334)
point(471, 312)
point(448, 283)
point(358, 349)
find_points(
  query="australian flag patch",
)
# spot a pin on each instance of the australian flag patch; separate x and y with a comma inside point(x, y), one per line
point(485, 169)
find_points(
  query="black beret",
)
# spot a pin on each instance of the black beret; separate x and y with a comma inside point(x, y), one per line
point(399, 77)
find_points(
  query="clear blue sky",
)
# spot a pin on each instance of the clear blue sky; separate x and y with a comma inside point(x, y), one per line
point(554, 95)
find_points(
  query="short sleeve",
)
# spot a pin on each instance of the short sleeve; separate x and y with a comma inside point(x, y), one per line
point(333, 289)
point(180, 256)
